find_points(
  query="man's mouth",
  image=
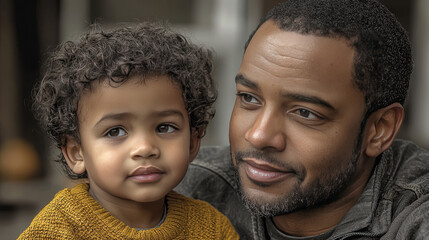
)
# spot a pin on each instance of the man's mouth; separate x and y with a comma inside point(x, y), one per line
point(262, 173)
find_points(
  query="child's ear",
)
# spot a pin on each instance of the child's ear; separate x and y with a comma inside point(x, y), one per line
point(73, 155)
point(383, 126)
point(194, 146)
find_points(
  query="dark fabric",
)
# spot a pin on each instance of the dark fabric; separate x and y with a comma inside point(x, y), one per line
point(394, 204)
point(275, 234)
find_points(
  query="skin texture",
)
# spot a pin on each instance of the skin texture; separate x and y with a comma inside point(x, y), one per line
point(138, 126)
point(294, 130)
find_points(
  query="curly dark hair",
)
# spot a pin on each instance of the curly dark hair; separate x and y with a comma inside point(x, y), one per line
point(383, 62)
point(144, 49)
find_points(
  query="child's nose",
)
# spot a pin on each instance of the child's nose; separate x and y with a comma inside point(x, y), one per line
point(145, 148)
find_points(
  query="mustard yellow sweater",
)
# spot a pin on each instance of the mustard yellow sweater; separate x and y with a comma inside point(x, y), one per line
point(74, 214)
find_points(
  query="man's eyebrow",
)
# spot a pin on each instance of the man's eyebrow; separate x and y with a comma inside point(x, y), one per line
point(240, 79)
point(309, 99)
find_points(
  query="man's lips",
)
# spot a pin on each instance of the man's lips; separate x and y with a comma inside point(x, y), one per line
point(146, 174)
point(261, 172)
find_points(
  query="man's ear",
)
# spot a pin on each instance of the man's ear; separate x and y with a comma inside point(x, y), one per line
point(72, 152)
point(382, 128)
point(194, 147)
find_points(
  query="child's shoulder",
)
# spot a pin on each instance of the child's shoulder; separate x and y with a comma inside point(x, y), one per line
point(65, 199)
point(51, 220)
point(60, 203)
point(200, 217)
point(193, 208)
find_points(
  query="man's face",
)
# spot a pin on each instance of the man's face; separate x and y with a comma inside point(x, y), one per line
point(296, 121)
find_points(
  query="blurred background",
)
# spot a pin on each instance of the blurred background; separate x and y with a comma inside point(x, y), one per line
point(31, 28)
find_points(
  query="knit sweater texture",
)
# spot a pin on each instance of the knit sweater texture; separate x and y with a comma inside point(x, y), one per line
point(74, 214)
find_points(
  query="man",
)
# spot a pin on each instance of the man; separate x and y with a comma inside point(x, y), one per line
point(313, 155)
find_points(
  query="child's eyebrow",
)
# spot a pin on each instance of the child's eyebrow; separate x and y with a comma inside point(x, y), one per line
point(167, 113)
point(113, 116)
point(156, 114)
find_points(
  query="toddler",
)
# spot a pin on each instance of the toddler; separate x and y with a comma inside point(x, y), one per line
point(128, 109)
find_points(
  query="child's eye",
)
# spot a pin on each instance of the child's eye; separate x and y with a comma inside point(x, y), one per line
point(166, 128)
point(116, 132)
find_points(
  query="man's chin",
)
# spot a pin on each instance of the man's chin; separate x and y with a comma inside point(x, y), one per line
point(262, 200)
point(261, 205)
point(267, 204)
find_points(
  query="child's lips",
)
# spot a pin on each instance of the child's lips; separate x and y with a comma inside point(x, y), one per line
point(144, 170)
point(146, 174)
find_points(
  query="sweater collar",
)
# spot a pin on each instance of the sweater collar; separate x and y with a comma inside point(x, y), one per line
point(93, 211)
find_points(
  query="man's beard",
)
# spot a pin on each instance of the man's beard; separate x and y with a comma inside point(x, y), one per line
point(322, 191)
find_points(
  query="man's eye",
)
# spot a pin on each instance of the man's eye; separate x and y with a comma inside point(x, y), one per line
point(248, 98)
point(306, 114)
point(166, 128)
point(116, 132)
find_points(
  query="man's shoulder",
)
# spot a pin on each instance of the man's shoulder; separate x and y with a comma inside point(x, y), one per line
point(215, 162)
point(407, 190)
point(212, 167)
point(211, 177)
point(411, 166)
point(407, 150)
point(214, 156)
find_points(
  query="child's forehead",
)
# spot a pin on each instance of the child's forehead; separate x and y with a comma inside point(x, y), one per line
point(138, 79)
point(103, 86)
point(136, 95)
point(149, 100)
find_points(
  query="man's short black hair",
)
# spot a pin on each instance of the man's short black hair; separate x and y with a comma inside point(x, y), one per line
point(383, 62)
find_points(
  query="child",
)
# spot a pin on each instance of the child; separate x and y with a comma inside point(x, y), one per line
point(128, 109)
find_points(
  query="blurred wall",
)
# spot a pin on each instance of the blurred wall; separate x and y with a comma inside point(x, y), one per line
point(418, 124)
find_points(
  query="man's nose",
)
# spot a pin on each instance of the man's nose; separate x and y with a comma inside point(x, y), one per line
point(144, 147)
point(267, 131)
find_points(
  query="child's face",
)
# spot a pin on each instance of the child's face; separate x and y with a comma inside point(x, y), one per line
point(136, 142)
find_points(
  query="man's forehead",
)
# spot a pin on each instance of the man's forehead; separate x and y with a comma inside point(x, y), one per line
point(293, 59)
point(270, 33)
point(288, 48)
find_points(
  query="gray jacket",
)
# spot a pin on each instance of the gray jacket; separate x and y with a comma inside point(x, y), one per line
point(394, 204)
